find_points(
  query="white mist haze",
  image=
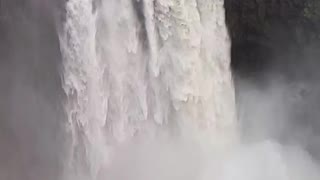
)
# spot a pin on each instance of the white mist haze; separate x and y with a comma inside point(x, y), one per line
point(142, 90)
point(274, 144)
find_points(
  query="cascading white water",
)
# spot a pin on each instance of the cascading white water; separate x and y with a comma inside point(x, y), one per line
point(83, 84)
point(149, 95)
point(140, 68)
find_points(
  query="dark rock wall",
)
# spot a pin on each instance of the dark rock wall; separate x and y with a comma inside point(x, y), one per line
point(276, 49)
point(272, 34)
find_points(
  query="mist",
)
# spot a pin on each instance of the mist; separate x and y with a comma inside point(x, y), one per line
point(277, 116)
point(31, 139)
point(279, 140)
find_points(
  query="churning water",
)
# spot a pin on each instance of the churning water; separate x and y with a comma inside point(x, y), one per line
point(150, 96)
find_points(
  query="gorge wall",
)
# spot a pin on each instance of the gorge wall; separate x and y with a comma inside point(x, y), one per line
point(269, 33)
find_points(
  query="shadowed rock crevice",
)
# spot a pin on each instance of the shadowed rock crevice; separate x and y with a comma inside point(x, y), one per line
point(275, 49)
point(272, 35)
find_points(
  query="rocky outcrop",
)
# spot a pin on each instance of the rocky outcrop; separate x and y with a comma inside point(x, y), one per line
point(276, 45)
point(263, 31)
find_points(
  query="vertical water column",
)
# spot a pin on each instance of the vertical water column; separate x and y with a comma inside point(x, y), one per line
point(140, 67)
point(86, 103)
point(193, 60)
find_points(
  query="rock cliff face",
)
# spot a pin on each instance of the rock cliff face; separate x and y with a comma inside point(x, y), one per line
point(278, 41)
point(268, 33)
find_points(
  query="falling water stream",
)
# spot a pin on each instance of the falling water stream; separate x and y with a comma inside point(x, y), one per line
point(148, 70)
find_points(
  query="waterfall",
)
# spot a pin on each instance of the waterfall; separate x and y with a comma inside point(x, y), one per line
point(143, 68)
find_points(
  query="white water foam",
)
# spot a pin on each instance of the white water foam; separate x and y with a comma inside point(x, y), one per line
point(154, 70)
